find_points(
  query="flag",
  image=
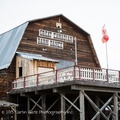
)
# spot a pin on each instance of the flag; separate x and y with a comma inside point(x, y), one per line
point(105, 37)
point(104, 30)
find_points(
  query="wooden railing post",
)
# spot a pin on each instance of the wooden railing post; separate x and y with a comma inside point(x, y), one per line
point(74, 73)
point(12, 85)
point(37, 80)
point(24, 83)
point(107, 75)
point(56, 76)
point(93, 74)
point(119, 76)
point(79, 72)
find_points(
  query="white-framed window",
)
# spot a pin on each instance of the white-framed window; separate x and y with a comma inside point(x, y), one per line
point(55, 35)
point(50, 43)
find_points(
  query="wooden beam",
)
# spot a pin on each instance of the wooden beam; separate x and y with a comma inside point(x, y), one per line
point(36, 103)
point(63, 115)
point(82, 105)
point(115, 106)
point(43, 104)
point(22, 94)
point(108, 107)
point(102, 108)
point(94, 105)
point(28, 107)
point(98, 104)
point(63, 90)
point(93, 88)
point(53, 104)
point(72, 103)
point(15, 114)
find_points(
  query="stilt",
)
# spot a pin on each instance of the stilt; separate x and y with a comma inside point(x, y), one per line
point(98, 104)
point(28, 107)
point(82, 105)
point(115, 107)
point(43, 103)
point(63, 116)
point(15, 114)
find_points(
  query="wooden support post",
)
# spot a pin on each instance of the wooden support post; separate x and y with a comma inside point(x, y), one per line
point(98, 104)
point(15, 111)
point(43, 104)
point(28, 107)
point(115, 107)
point(15, 114)
point(63, 116)
point(82, 106)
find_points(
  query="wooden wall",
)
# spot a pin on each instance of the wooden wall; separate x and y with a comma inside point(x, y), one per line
point(6, 78)
point(30, 67)
point(85, 51)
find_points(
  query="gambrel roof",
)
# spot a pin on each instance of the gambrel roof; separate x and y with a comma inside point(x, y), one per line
point(10, 40)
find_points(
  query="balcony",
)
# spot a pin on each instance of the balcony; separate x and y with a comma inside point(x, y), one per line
point(67, 74)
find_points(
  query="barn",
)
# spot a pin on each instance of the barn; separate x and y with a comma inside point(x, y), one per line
point(49, 70)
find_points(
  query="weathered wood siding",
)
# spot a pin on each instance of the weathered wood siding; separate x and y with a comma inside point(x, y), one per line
point(85, 51)
point(30, 67)
point(6, 78)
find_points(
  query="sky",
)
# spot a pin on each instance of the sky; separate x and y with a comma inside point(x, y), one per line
point(90, 15)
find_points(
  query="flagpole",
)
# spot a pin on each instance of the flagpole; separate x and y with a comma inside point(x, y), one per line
point(106, 54)
point(105, 38)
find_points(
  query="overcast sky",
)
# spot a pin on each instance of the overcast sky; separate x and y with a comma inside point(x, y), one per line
point(90, 15)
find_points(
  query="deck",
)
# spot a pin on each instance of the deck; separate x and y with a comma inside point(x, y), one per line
point(66, 75)
point(71, 85)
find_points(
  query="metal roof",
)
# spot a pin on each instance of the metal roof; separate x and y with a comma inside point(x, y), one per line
point(9, 42)
point(7, 104)
point(35, 56)
point(64, 64)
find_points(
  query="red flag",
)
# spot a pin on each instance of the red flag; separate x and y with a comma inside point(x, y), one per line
point(105, 37)
point(104, 30)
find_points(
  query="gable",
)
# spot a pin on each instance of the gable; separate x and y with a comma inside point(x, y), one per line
point(42, 37)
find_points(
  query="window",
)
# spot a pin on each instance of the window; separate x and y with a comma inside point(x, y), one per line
point(50, 43)
point(20, 71)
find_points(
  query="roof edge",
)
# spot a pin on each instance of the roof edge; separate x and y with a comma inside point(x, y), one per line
point(61, 16)
point(14, 27)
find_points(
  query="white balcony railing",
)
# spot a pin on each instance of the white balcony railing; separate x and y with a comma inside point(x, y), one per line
point(67, 74)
